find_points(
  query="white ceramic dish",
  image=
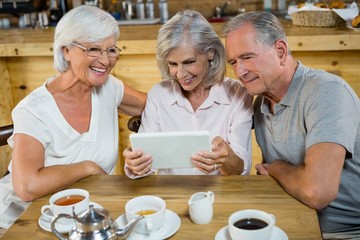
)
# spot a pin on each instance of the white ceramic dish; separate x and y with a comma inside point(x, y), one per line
point(278, 234)
point(172, 225)
point(45, 222)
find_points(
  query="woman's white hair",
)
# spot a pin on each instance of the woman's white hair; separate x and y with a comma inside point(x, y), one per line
point(82, 24)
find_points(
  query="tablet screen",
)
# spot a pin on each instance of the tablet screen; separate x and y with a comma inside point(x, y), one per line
point(171, 149)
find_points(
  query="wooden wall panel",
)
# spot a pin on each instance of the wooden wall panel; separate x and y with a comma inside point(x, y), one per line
point(6, 105)
point(6, 100)
point(139, 71)
point(342, 63)
point(28, 73)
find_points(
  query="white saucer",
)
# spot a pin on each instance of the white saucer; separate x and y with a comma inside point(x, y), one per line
point(45, 222)
point(172, 224)
point(278, 234)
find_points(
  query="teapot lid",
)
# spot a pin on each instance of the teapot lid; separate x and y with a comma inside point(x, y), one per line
point(94, 219)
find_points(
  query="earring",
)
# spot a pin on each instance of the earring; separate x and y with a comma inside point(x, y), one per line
point(211, 62)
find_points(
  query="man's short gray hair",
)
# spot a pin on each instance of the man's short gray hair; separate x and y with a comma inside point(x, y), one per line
point(267, 26)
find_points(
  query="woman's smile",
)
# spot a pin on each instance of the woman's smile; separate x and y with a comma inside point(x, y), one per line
point(100, 70)
point(187, 81)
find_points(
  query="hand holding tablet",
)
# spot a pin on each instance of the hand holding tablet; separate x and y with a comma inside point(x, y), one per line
point(171, 149)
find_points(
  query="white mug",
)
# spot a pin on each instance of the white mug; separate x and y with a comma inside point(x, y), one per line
point(251, 224)
point(201, 207)
point(153, 209)
point(64, 201)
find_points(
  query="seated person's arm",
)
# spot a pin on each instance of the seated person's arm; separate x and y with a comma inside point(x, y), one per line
point(316, 182)
point(133, 102)
point(31, 179)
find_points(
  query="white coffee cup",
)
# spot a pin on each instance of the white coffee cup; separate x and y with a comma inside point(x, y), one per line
point(65, 201)
point(201, 207)
point(261, 224)
point(153, 209)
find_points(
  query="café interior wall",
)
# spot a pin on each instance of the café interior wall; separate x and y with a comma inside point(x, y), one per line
point(205, 7)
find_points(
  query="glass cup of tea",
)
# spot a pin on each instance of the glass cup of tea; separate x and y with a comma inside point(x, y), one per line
point(251, 224)
point(153, 208)
point(64, 202)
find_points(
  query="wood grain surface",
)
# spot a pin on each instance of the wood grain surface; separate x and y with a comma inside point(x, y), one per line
point(232, 193)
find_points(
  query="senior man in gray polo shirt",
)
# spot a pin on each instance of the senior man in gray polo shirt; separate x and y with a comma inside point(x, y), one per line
point(307, 123)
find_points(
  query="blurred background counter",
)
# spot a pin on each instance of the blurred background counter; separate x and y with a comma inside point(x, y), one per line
point(26, 61)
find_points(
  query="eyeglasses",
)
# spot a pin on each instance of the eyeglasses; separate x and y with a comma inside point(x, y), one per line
point(112, 52)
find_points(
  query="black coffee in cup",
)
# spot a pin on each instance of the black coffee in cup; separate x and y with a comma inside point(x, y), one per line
point(250, 224)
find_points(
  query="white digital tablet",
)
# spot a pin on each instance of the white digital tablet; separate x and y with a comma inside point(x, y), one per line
point(171, 149)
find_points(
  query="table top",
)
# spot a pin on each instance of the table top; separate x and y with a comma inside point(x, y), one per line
point(232, 193)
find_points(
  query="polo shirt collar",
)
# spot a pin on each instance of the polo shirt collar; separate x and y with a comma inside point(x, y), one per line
point(291, 93)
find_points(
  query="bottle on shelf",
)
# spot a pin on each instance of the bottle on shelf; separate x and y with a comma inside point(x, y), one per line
point(115, 9)
point(55, 13)
point(267, 5)
point(163, 9)
point(150, 12)
point(140, 9)
point(281, 7)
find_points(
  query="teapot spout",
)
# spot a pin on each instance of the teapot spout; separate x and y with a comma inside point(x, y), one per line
point(124, 233)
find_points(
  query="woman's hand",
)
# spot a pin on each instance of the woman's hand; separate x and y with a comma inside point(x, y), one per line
point(208, 162)
point(137, 162)
point(222, 157)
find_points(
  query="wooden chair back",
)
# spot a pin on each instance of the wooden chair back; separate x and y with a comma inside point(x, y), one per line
point(5, 133)
point(134, 123)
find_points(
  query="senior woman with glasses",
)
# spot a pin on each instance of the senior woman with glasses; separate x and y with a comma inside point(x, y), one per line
point(67, 129)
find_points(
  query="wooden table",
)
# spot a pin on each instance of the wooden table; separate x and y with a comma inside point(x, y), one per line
point(232, 193)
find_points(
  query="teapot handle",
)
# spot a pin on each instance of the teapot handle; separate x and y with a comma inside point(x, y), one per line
point(53, 228)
